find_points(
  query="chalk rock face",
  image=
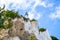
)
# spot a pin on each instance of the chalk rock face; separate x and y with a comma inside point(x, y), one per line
point(5, 38)
point(35, 29)
point(3, 33)
point(45, 35)
point(17, 31)
point(27, 26)
point(32, 27)
point(22, 30)
point(14, 38)
point(17, 28)
point(25, 36)
point(12, 31)
point(34, 23)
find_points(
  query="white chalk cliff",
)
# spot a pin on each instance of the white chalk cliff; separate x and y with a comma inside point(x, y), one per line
point(32, 27)
point(20, 27)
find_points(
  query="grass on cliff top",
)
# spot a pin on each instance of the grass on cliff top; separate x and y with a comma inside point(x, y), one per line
point(42, 29)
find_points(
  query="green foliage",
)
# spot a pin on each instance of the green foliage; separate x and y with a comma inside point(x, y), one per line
point(54, 38)
point(25, 19)
point(1, 22)
point(42, 29)
point(11, 14)
point(32, 20)
point(1, 26)
point(8, 15)
point(31, 37)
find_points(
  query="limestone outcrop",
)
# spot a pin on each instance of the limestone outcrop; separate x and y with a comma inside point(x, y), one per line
point(16, 31)
point(23, 30)
point(17, 27)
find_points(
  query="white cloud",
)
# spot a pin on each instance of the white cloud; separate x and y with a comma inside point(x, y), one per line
point(56, 13)
point(23, 4)
point(34, 16)
point(50, 5)
point(16, 3)
point(38, 16)
point(31, 15)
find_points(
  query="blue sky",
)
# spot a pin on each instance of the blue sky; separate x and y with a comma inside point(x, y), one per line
point(46, 12)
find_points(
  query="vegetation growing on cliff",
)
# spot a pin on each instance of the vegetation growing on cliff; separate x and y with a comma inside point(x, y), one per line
point(42, 29)
point(54, 38)
point(6, 17)
point(32, 37)
point(32, 20)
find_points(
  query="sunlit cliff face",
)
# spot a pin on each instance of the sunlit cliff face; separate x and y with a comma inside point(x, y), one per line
point(32, 27)
point(16, 32)
point(14, 38)
point(34, 23)
point(19, 26)
point(45, 35)
point(19, 19)
point(35, 29)
point(27, 26)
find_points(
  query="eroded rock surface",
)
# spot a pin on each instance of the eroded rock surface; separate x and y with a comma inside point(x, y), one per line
point(23, 31)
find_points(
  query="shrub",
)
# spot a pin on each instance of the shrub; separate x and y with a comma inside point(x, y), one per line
point(32, 20)
point(54, 38)
point(25, 19)
point(32, 37)
point(42, 29)
point(11, 14)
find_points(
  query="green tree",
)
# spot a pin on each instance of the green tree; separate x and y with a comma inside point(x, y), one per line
point(1, 14)
point(11, 14)
point(25, 19)
point(7, 15)
point(54, 38)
